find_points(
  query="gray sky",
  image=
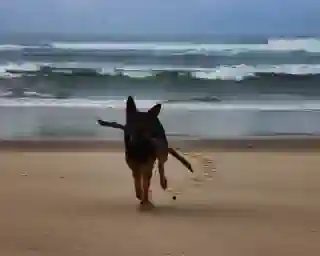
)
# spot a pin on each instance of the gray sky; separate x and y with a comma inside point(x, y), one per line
point(160, 16)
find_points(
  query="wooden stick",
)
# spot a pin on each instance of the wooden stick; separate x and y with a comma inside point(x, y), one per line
point(111, 124)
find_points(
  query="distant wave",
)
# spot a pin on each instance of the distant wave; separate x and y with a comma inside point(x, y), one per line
point(236, 73)
point(21, 93)
point(309, 45)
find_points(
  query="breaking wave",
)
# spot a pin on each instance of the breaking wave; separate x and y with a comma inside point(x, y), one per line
point(235, 72)
point(63, 70)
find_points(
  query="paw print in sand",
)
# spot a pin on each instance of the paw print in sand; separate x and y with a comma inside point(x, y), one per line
point(205, 173)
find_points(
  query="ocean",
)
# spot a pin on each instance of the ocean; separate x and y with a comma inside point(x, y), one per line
point(220, 87)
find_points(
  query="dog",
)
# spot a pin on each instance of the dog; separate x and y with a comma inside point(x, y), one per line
point(145, 142)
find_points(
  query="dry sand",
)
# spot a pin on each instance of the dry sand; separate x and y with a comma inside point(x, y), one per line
point(82, 203)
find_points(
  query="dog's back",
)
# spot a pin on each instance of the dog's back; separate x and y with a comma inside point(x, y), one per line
point(141, 128)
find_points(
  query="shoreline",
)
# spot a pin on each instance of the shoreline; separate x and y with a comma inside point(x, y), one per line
point(250, 144)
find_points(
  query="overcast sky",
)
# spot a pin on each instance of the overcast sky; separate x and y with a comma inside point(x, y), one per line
point(160, 16)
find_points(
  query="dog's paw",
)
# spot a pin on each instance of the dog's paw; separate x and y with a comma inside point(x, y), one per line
point(139, 195)
point(146, 206)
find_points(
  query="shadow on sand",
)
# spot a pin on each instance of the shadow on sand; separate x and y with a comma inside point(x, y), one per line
point(180, 210)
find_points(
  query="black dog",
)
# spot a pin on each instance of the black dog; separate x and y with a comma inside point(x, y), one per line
point(145, 142)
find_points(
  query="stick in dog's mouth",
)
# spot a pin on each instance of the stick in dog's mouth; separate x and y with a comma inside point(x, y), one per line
point(156, 142)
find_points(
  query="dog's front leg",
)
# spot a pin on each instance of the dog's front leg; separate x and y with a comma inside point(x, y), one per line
point(137, 183)
point(146, 180)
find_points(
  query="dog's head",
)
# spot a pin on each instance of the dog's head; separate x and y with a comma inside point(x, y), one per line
point(141, 124)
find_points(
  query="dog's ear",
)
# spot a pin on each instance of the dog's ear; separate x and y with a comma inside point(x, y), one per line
point(131, 106)
point(155, 110)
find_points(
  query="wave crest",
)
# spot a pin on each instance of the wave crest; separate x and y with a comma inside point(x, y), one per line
point(310, 45)
point(236, 73)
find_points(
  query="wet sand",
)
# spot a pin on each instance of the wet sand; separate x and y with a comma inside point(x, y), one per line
point(78, 199)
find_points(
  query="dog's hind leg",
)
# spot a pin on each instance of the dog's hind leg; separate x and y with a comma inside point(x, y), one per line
point(137, 183)
point(136, 175)
point(162, 156)
point(163, 179)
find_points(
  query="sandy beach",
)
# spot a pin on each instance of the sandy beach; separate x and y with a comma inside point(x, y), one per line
point(79, 200)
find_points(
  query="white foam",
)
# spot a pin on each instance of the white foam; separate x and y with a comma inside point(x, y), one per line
point(239, 72)
point(10, 47)
point(307, 44)
point(235, 72)
point(304, 44)
point(17, 47)
point(137, 74)
point(146, 104)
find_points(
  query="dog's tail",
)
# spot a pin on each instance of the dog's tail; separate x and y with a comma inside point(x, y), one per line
point(184, 161)
point(171, 151)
